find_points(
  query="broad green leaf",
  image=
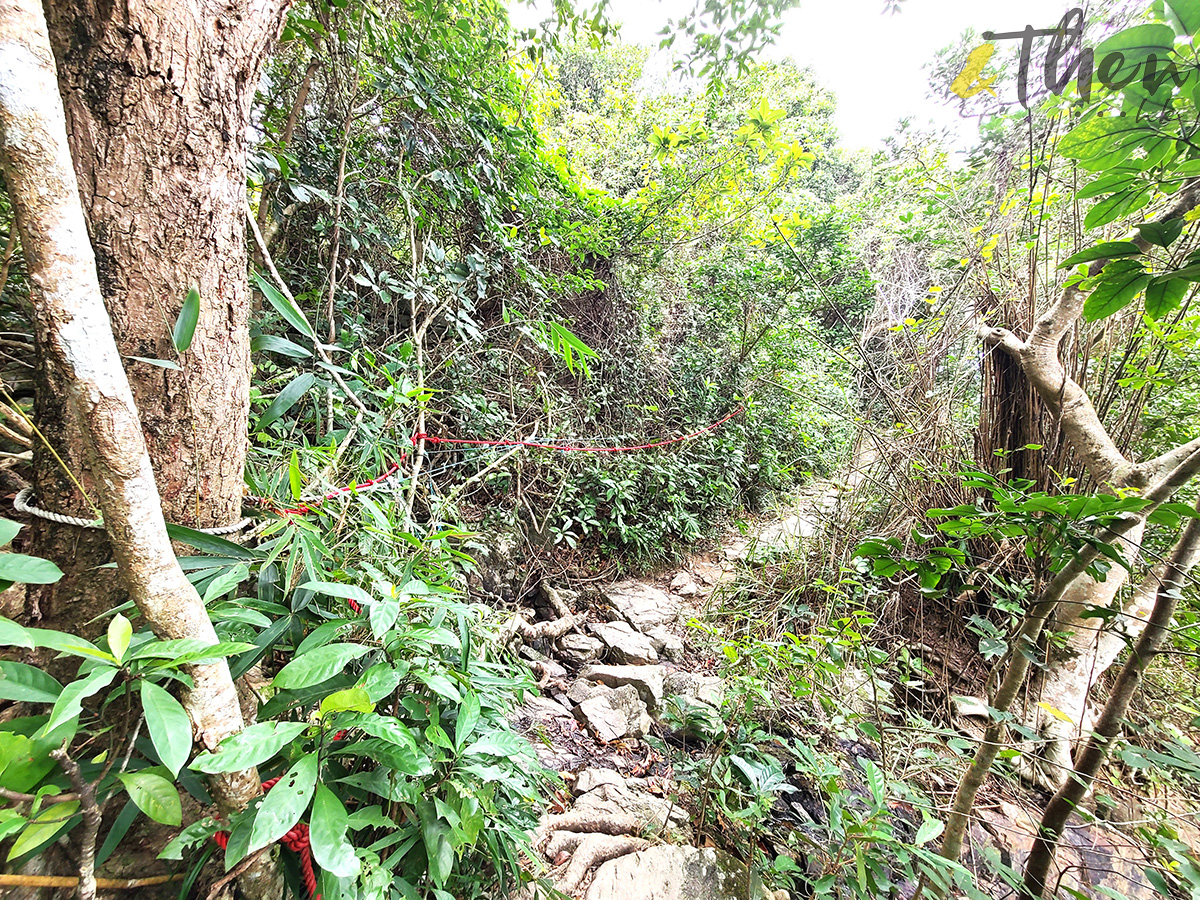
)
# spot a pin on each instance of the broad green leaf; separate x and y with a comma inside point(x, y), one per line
point(154, 795)
point(70, 701)
point(318, 665)
point(14, 635)
point(438, 849)
point(120, 632)
point(1164, 296)
point(498, 743)
point(1120, 282)
point(272, 344)
point(8, 531)
point(196, 833)
point(1136, 44)
point(44, 827)
point(1185, 14)
point(295, 478)
point(1161, 234)
point(1102, 141)
point(285, 307)
point(285, 803)
point(185, 325)
point(384, 614)
point(336, 589)
point(286, 399)
point(28, 569)
point(11, 822)
point(327, 832)
point(349, 700)
point(249, 747)
point(929, 829)
point(169, 726)
point(21, 682)
point(1112, 208)
point(468, 718)
point(1106, 250)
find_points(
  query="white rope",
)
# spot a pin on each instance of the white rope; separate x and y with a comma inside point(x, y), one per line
point(25, 502)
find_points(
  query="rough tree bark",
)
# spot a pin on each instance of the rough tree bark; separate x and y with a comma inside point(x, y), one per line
point(157, 98)
point(72, 326)
point(1160, 594)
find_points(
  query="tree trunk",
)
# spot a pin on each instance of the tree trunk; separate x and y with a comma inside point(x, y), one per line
point(157, 99)
point(72, 325)
point(1158, 596)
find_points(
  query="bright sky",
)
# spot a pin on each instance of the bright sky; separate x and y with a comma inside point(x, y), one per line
point(871, 60)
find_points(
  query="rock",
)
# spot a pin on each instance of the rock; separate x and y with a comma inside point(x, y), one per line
point(624, 644)
point(582, 689)
point(543, 709)
point(684, 584)
point(695, 688)
point(642, 605)
point(970, 708)
point(605, 793)
point(580, 648)
point(614, 713)
point(667, 872)
point(665, 643)
point(649, 681)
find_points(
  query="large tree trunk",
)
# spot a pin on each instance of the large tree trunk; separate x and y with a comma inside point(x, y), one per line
point(157, 99)
point(72, 327)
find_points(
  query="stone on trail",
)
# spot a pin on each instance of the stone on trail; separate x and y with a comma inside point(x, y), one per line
point(667, 872)
point(624, 644)
point(665, 643)
point(684, 584)
point(580, 648)
point(695, 688)
point(613, 714)
point(606, 793)
point(649, 681)
point(641, 605)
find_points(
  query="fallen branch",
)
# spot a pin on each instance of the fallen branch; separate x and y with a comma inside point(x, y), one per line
point(70, 881)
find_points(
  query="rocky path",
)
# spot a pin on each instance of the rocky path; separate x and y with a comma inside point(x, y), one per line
point(608, 659)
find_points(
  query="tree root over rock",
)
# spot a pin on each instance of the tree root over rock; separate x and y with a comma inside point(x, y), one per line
point(589, 839)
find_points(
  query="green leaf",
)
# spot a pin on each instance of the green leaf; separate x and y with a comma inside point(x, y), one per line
point(169, 726)
point(1112, 208)
point(44, 827)
point(21, 682)
point(120, 632)
point(70, 701)
point(285, 307)
point(498, 743)
point(154, 795)
point(28, 569)
point(1106, 250)
point(295, 479)
point(1102, 141)
point(25, 762)
point(8, 531)
point(929, 829)
point(210, 543)
point(286, 399)
point(468, 718)
point(249, 747)
point(1164, 296)
point(353, 699)
point(285, 803)
point(1185, 14)
point(185, 325)
point(1118, 285)
point(270, 343)
point(161, 363)
point(1161, 234)
point(438, 849)
point(318, 665)
point(336, 589)
point(327, 832)
point(14, 635)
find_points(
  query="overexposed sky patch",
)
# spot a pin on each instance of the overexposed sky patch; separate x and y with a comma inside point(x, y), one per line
point(870, 59)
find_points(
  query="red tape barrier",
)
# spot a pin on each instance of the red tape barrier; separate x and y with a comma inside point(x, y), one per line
point(434, 439)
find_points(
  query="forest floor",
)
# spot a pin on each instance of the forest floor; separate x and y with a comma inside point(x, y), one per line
point(609, 657)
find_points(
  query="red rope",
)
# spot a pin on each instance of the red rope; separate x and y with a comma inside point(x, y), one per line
point(297, 840)
point(315, 504)
point(434, 439)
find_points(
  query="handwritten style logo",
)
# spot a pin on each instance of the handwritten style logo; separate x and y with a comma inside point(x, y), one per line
point(1066, 58)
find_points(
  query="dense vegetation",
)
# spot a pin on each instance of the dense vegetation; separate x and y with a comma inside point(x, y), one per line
point(463, 240)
